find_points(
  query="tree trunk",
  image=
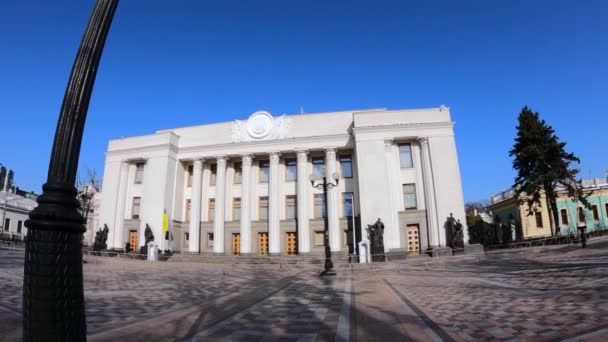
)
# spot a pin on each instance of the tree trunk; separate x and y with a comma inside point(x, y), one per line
point(552, 207)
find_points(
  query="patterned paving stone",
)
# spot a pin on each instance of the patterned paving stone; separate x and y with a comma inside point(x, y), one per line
point(539, 294)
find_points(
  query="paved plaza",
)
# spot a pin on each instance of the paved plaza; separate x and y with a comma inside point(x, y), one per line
point(537, 294)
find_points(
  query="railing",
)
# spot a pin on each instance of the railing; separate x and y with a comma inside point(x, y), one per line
point(565, 239)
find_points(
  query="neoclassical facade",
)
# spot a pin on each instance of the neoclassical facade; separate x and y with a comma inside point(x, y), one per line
point(244, 188)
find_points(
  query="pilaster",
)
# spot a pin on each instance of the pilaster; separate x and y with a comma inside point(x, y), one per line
point(121, 206)
point(429, 193)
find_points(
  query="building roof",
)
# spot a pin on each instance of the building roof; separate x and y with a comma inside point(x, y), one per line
point(588, 184)
point(16, 201)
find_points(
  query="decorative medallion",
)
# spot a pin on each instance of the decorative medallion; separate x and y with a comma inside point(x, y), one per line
point(260, 126)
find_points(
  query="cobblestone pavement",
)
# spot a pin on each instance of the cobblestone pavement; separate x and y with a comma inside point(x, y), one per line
point(537, 294)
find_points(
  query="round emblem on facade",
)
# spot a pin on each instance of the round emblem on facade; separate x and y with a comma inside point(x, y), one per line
point(259, 124)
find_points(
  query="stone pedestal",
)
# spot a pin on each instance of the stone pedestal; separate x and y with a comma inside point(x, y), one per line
point(396, 254)
point(473, 249)
point(364, 252)
point(439, 251)
point(152, 252)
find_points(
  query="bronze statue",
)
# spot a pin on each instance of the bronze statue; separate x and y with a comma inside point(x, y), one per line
point(450, 230)
point(375, 235)
point(100, 239)
point(148, 234)
point(458, 237)
point(149, 238)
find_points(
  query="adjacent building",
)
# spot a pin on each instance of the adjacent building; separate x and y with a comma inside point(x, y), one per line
point(572, 213)
point(243, 187)
point(14, 210)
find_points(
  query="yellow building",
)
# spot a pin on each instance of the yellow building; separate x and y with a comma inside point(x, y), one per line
point(572, 213)
point(505, 208)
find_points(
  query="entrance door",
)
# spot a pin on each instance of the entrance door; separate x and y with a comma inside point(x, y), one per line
point(236, 244)
point(413, 239)
point(290, 243)
point(132, 240)
point(263, 243)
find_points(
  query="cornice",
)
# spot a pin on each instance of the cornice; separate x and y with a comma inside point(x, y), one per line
point(385, 128)
point(267, 144)
point(139, 149)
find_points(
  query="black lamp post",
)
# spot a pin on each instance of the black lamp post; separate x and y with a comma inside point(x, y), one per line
point(53, 298)
point(324, 185)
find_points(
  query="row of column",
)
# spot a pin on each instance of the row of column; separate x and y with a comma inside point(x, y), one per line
point(274, 203)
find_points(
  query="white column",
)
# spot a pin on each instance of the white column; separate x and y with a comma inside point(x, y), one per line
point(205, 193)
point(429, 193)
point(195, 206)
point(228, 192)
point(333, 205)
point(246, 204)
point(302, 202)
point(119, 220)
point(274, 231)
point(218, 223)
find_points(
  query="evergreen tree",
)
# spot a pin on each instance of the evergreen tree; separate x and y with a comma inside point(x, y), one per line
point(542, 165)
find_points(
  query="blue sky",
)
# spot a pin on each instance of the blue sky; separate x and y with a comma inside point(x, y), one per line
point(177, 63)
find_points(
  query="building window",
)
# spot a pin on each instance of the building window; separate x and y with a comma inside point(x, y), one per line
point(405, 156)
point(190, 173)
point(346, 166)
point(212, 174)
point(136, 207)
point(291, 169)
point(319, 206)
point(291, 206)
point(209, 239)
point(188, 201)
point(264, 171)
point(7, 224)
point(347, 204)
point(539, 219)
point(139, 173)
point(318, 167)
point(263, 208)
point(238, 173)
point(211, 213)
point(596, 214)
point(19, 226)
point(581, 215)
point(318, 239)
point(236, 209)
point(409, 196)
point(564, 214)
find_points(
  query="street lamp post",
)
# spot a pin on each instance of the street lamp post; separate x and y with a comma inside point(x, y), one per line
point(53, 298)
point(324, 185)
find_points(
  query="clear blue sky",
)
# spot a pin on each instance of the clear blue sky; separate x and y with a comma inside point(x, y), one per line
point(177, 63)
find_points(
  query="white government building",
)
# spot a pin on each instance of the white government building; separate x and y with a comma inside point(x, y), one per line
point(243, 187)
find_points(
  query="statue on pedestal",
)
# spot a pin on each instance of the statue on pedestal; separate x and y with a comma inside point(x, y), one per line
point(100, 239)
point(375, 235)
point(450, 230)
point(149, 238)
point(458, 237)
